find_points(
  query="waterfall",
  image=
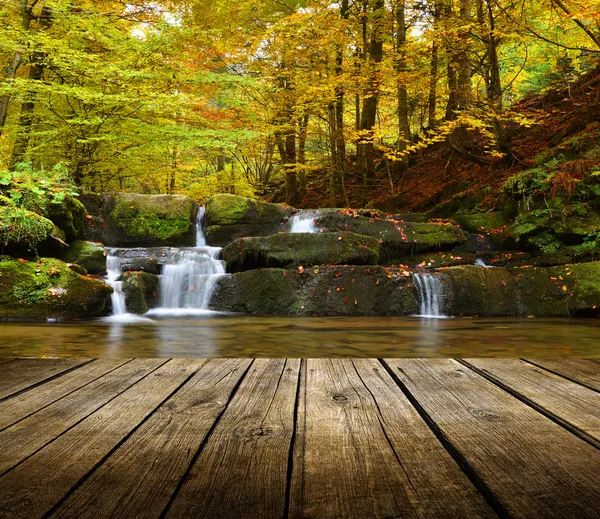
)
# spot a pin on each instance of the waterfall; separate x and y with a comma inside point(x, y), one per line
point(304, 221)
point(113, 272)
point(430, 291)
point(480, 263)
point(200, 238)
point(188, 280)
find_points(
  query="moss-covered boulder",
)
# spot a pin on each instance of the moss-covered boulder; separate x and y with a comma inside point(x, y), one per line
point(289, 250)
point(322, 290)
point(141, 291)
point(434, 260)
point(22, 231)
point(229, 217)
point(148, 220)
point(89, 255)
point(484, 222)
point(48, 288)
point(397, 238)
point(523, 291)
point(70, 216)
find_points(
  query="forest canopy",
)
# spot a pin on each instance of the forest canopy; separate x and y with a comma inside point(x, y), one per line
point(267, 98)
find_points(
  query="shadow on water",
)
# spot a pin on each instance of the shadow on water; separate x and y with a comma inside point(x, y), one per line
point(214, 335)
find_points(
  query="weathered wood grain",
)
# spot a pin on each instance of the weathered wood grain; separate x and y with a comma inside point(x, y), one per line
point(140, 477)
point(534, 467)
point(439, 488)
point(583, 371)
point(242, 469)
point(30, 490)
point(347, 465)
point(20, 406)
point(20, 374)
point(569, 403)
point(25, 437)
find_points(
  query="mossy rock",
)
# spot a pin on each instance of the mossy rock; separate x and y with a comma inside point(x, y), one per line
point(289, 250)
point(70, 216)
point(48, 288)
point(141, 291)
point(22, 230)
point(433, 260)
point(149, 220)
point(229, 217)
point(88, 255)
point(267, 291)
point(484, 222)
point(485, 292)
point(397, 238)
point(319, 290)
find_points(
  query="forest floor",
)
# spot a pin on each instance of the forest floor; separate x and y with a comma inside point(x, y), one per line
point(437, 174)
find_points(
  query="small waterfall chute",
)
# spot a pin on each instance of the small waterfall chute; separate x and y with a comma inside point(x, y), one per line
point(200, 238)
point(304, 221)
point(481, 263)
point(431, 293)
point(119, 307)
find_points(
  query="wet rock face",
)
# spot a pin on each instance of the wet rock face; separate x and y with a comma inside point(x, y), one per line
point(89, 255)
point(292, 250)
point(229, 217)
point(397, 238)
point(141, 291)
point(523, 291)
point(48, 288)
point(323, 290)
point(132, 220)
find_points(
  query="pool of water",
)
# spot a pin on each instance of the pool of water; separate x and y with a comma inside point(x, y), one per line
point(214, 335)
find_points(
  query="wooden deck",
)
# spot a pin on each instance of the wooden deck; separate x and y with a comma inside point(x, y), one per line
point(243, 438)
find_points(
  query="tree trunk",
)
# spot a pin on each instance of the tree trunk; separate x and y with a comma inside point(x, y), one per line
point(433, 71)
point(11, 71)
point(302, 134)
point(465, 95)
point(401, 69)
point(371, 97)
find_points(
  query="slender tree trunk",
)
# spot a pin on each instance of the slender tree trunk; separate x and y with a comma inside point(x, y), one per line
point(11, 71)
point(370, 100)
point(302, 134)
point(401, 69)
point(465, 95)
point(433, 71)
point(451, 59)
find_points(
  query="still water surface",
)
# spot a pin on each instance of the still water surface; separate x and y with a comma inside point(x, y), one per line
point(250, 336)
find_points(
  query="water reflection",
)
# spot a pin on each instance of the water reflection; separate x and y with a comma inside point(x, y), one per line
point(243, 336)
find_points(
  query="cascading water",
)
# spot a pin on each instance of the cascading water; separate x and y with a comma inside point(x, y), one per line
point(188, 281)
point(480, 263)
point(113, 272)
point(304, 221)
point(200, 238)
point(431, 292)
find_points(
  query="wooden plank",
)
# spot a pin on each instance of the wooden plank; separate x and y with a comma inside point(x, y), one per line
point(346, 466)
point(583, 371)
point(532, 466)
point(33, 488)
point(569, 403)
point(242, 470)
point(438, 486)
point(25, 437)
point(140, 477)
point(27, 403)
point(4, 361)
point(20, 374)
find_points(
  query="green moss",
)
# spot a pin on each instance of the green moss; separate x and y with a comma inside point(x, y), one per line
point(149, 220)
point(288, 250)
point(479, 222)
point(230, 209)
point(70, 216)
point(48, 288)
point(141, 291)
point(21, 228)
point(88, 255)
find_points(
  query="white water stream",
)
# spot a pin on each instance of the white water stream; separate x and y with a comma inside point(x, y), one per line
point(304, 221)
point(431, 293)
